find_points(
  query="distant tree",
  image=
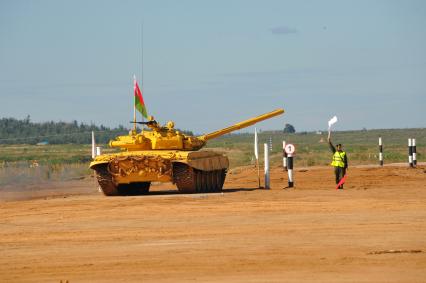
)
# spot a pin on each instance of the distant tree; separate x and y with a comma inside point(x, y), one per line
point(13, 131)
point(289, 129)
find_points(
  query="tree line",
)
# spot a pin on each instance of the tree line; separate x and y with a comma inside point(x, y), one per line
point(14, 131)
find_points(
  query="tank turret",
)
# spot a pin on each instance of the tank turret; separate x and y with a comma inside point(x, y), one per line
point(167, 138)
point(163, 154)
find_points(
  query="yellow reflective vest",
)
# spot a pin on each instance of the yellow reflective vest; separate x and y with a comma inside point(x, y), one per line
point(338, 159)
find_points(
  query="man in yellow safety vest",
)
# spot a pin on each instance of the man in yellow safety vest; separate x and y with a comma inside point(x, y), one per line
point(340, 161)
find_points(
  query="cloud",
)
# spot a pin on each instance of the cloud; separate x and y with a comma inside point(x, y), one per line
point(283, 30)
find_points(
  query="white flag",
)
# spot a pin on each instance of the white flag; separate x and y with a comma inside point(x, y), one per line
point(256, 148)
point(331, 122)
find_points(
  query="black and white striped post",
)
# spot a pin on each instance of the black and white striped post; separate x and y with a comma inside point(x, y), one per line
point(284, 157)
point(290, 149)
point(267, 178)
point(410, 153)
point(413, 143)
point(290, 170)
point(380, 151)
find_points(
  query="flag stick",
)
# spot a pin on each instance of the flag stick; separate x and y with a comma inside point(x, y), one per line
point(134, 118)
point(342, 181)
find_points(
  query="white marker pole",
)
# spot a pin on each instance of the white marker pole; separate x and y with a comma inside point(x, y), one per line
point(93, 145)
point(256, 155)
point(413, 143)
point(380, 151)
point(410, 153)
point(98, 150)
point(284, 157)
point(267, 179)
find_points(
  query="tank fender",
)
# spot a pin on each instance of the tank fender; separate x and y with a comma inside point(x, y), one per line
point(206, 161)
point(95, 163)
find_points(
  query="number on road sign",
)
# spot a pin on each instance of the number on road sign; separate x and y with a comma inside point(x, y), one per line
point(289, 148)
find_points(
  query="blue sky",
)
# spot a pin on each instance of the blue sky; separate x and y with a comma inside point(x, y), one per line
point(211, 63)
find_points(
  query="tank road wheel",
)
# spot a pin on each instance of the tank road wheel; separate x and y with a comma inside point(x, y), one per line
point(206, 187)
point(210, 181)
point(222, 176)
point(184, 177)
point(213, 176)
point(199, 181)
point(209, 185)
point(219, 181)
point(190, 180)
point(105, 180)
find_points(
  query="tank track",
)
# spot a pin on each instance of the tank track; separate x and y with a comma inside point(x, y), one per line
point(105, 180)
point(191, 180)
point(110, 189)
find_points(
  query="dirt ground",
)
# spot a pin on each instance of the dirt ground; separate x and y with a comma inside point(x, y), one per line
point(372, 231)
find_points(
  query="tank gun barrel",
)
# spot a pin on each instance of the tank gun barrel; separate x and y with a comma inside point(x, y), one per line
point(241, 125)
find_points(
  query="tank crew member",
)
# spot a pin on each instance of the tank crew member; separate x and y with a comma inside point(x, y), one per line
point(339, 162)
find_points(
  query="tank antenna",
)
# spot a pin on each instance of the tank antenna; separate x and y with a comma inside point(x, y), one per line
point(142, 82)
point(134, 103)
point(134, 85)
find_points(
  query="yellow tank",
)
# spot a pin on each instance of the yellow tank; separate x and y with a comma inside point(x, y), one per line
point(163, 154)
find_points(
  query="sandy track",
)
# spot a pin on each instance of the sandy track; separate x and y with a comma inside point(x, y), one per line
point(310, 233)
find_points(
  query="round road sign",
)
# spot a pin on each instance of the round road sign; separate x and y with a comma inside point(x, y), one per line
point(289, 148)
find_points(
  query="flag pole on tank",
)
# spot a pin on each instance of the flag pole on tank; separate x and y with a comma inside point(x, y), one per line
point(134, 104)
point(138, 100)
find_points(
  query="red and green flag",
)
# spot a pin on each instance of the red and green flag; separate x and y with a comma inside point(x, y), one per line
point(139, 103)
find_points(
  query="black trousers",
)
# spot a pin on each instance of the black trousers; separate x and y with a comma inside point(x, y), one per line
point(339, 172)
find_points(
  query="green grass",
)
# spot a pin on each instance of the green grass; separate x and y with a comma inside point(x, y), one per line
point(62, 162)
point(32, 164)
point(47, 154)
point(20, 173)
point(312, 149)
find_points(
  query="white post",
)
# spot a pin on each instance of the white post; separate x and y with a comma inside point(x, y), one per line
point(267, 179)
point(93, 145)
point(380, 151)
point(98, 150)
point(256, 155)
point(410, 153)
